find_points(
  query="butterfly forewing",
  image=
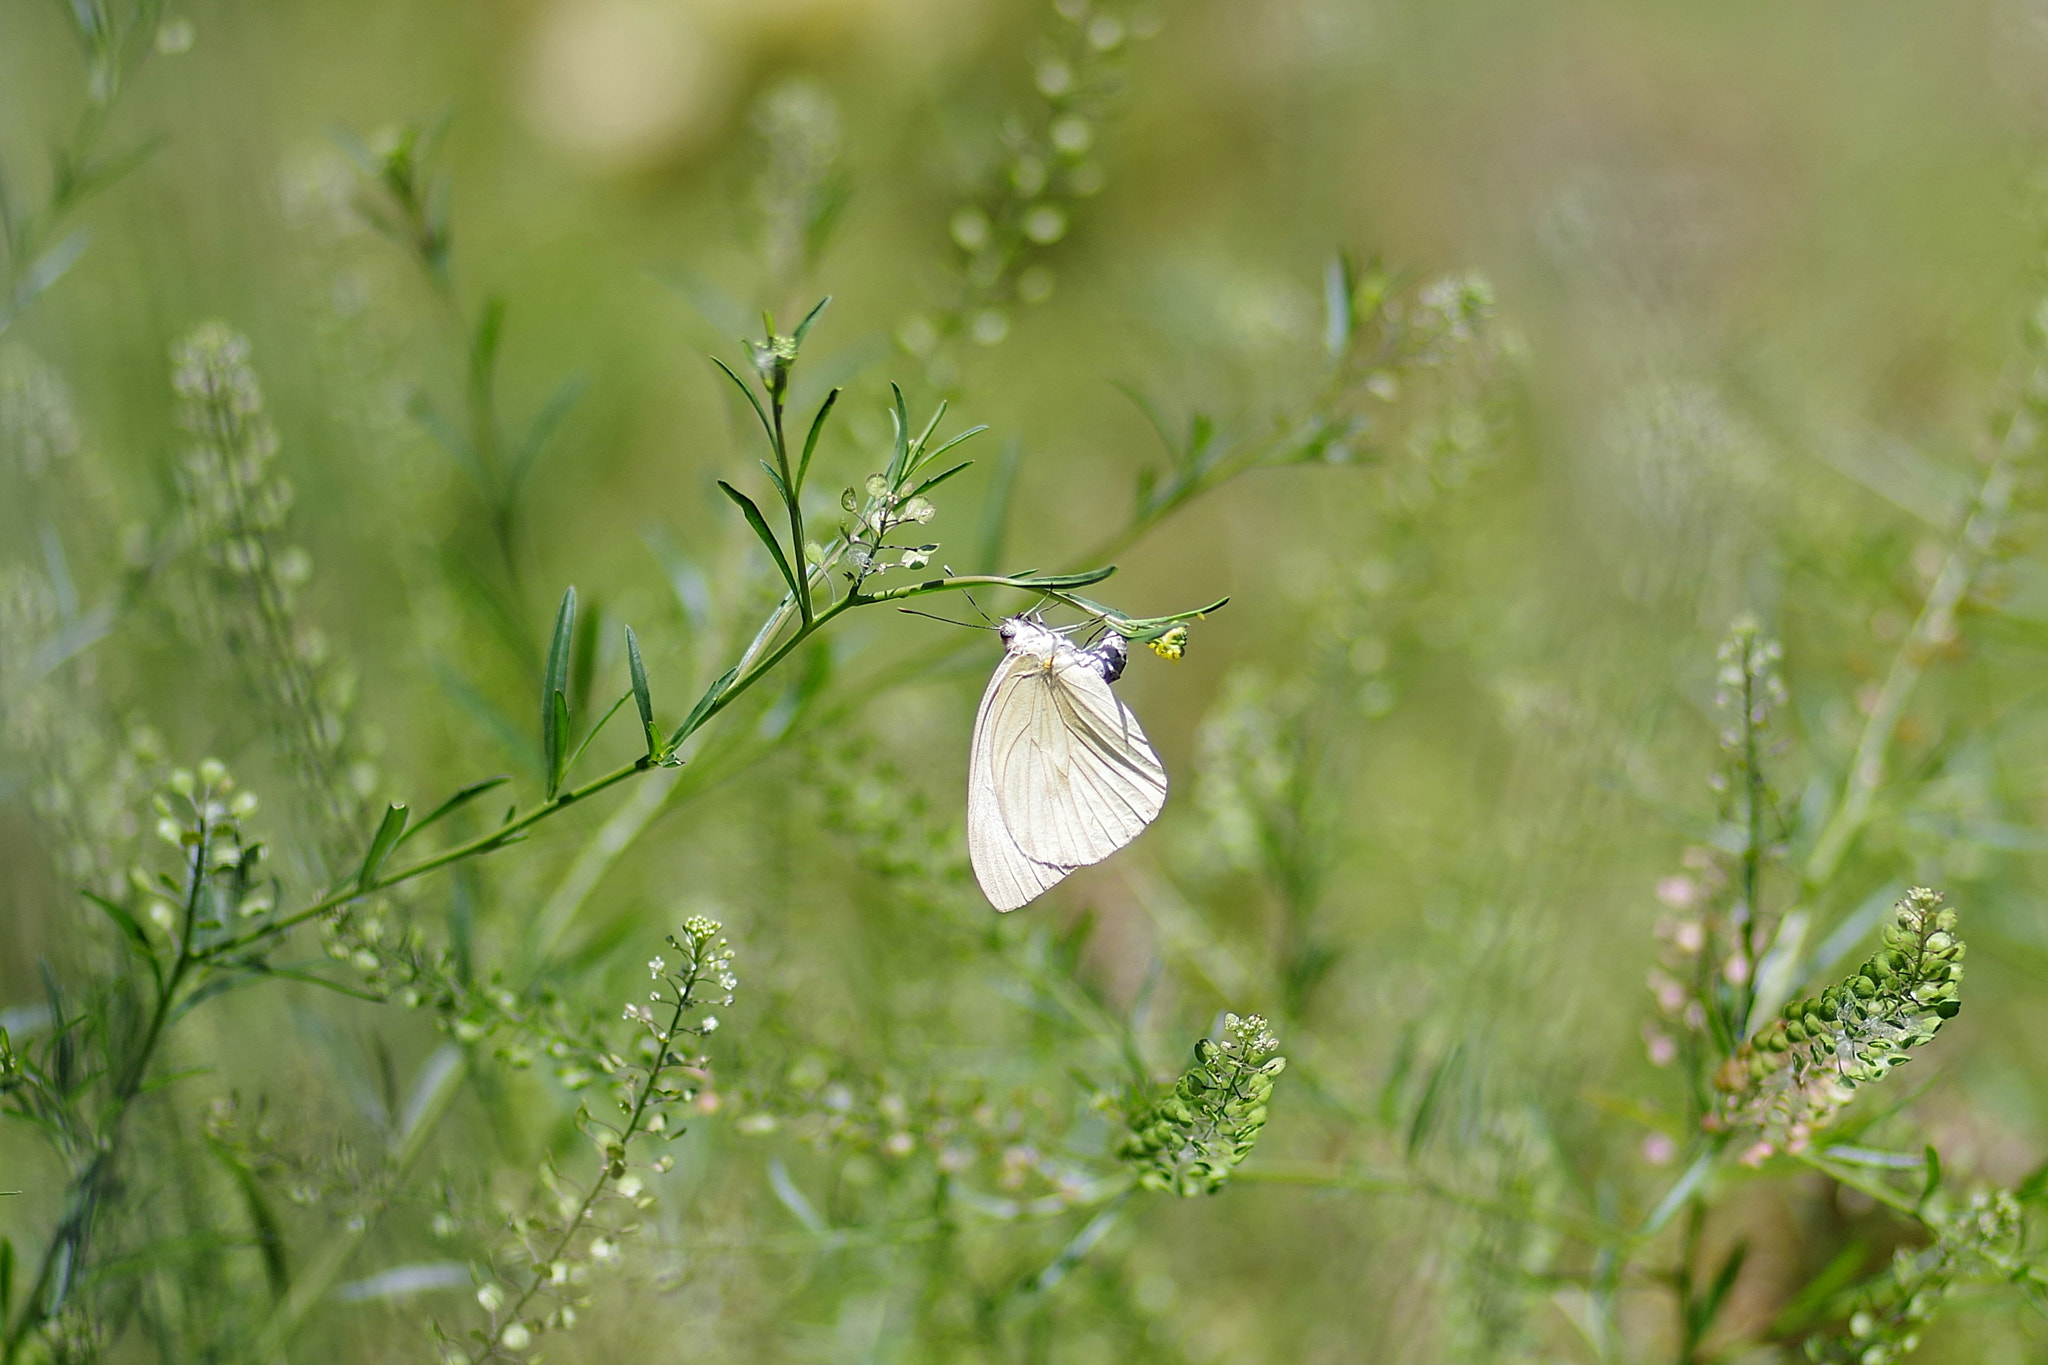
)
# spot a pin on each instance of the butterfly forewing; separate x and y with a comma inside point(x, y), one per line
point(1008, 877)
point(1072, 770)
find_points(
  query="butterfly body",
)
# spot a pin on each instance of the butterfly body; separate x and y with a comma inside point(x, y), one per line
point(1061, 774)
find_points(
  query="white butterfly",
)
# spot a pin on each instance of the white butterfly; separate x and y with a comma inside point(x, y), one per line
point(1060, 775)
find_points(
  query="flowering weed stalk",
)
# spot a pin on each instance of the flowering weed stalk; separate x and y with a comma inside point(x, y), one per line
point(553, 1253)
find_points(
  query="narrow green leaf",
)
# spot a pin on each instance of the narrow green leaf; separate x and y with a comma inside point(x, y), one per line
point(1340, 318)
point(50, 267)
point(131, 931)
point(760, 525)
point(803, 329)
point(452, 804)
point(388, 834)
point(125, 922)
point(1709, 1307)
point(541, 430)
point(935, 480)
point(803, 466)
point(702, 708)
point(995, 508)
point(554, 731)
point(1810, 1304)
point(429, 419)
point(767, 427)
point(1063, 580)
point(601, 722)
point(1933, 1174)
point(781, 489)
point(583, 660)
point(559, 711)
point(1152, 414)
point(707, 300)
point(269, 1234)
point(966, 435)
point(899, 415)
point(355, 149)
point(483, 347)
point(643, 696)
point(1141, 629)
point(1677, 1196)
point(917, 455)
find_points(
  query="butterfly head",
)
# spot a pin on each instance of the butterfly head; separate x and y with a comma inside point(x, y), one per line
point(1029, 634)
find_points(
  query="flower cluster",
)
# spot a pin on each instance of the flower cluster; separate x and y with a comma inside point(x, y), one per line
point(38, 427)
point(1705, 981)
point(885, 511)
point(200, 813)
point(235, 509)
point(1792, 1076)
point(799, 186)
point(1192, 1138)
point(1048, 164)
point(1981, 1239)
point(535, 1282)
point(92, 774)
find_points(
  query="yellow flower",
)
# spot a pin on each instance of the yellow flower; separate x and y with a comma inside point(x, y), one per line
point(1171, 645)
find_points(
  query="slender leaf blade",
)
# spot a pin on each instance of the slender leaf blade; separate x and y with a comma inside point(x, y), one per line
point(767, 427)
point(389, 831)
point(453, 804)
point(702, 708)
point(559, 712)
point(803, 466)
point(803, 329)
point(541, 430)
point(643, 696)
point(554, 729)
point(760, 525)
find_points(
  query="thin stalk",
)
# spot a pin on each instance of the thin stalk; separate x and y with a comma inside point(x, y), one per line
point(1753, 839)
point(792, 496)
point(1890, 1198)
point(67, 1246)
point(511, 829)
point(685, 1000)
point(1934, 627)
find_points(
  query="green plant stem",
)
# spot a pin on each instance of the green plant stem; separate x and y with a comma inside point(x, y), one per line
point(1933, 628)
point(685, 1000)
point(67, 1245)
point(512, 829)
point(1753, 838)
point(1891, 1199)
point(792, 497)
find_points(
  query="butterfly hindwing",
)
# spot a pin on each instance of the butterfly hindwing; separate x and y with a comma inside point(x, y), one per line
point(1061, 774)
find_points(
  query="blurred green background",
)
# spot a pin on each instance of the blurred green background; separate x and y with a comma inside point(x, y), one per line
point(1761, 277)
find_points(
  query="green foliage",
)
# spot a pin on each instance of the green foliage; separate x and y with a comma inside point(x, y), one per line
point(1790, 1078)
point(1981, 1240)
point(1189, 1140)
point(347, 1076)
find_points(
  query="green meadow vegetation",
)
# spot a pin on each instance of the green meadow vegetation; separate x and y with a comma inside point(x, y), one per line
point(483, 870)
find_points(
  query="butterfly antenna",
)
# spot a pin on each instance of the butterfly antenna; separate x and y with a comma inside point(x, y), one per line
point(977, 607)
point(913, 611)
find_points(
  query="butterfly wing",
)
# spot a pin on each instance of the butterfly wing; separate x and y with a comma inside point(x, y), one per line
point(1008, 877)
point(1074, 777)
